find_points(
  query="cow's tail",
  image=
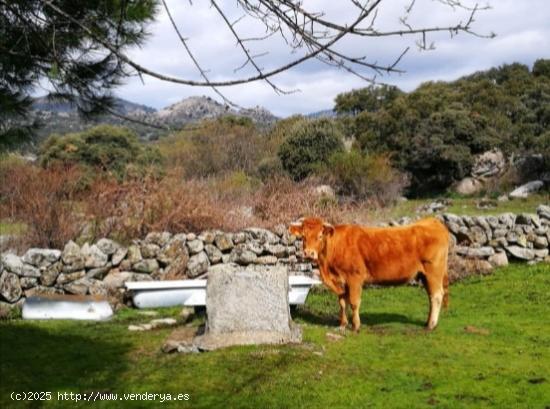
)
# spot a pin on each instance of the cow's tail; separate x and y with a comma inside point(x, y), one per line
point(446, 280)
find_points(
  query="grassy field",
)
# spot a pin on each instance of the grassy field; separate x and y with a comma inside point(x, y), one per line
point(466, 206)
point(492, 349)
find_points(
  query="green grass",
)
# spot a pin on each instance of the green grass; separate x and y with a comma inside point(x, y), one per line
point(465, 206)
point(392, 363)
point(11, 228)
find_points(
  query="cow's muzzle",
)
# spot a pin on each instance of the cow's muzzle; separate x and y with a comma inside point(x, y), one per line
point(311, 254)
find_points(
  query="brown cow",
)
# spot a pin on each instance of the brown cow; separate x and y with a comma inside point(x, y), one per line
point(350, 256)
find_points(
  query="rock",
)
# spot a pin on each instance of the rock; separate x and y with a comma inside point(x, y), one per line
point(148, 266)
point(28, 282)
point(525, 190)
point(118, 256)
point(67, 278)
point(158, 238)
point(242, 255)
point(79, 287)
point(49, 274)
point(477, 235)
point(507, 219)
point(176, 269)
point(30, 271)
point(540, 242)
point(237, 238)
point(134, 254)
point(263, 235)
point(214, 254)
point(468, 186)
point(224, 241)
point(42, 290)
point(190, 236)
point(41, 257)
point(544, 211)
point(149, 250)
point(107, 246)
point(99, 272)
point(117, 279)
point(453, 227)
point(12, 263)
point(266, 260)
point(97, 287)
point(157, 323)
point(324, 191)
point(71, 254)
point(255, 247)
point(207, 236)
point(172, 250)
point(489, 164)
point(499, 259)
point(10, 287)
point(479, 252)
point(521, 253)
point(528, 218)
point(278, 250)
point(198, 264)
point(261, 317)
point(94, 257)
point(195, 246)
point(541, 253)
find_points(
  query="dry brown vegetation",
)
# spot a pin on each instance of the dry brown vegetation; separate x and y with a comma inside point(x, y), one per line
point(58, 204)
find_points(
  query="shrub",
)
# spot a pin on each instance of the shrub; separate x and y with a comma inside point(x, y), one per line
point(43, 199)
point(270, 167)
point(366, 176)
point(107, 148)
point(217, 146)
point(310, 144)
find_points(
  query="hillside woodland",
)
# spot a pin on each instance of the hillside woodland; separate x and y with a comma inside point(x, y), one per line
point(228, 171)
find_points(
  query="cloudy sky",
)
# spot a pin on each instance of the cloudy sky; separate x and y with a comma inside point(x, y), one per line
point(522, 29)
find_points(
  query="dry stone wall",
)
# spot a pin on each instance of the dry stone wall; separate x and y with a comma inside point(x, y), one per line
point(103, 267)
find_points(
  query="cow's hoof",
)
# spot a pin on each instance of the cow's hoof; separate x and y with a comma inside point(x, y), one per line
point(357, 330)
point(342, 329)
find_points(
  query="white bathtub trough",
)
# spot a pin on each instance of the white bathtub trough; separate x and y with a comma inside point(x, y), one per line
point(44, 307)
point(192, 293)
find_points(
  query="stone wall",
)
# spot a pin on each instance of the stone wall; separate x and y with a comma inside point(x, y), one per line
point(102, 268)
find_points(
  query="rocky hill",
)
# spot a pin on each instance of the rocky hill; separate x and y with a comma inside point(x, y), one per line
point(62, 117)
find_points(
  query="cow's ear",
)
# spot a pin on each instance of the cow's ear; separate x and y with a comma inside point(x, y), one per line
point(328, 229)
point(296, 229)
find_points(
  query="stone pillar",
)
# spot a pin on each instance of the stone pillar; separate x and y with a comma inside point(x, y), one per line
point(247, 306)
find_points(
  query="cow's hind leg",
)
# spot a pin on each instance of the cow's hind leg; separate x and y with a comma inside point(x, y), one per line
point(434, 287)
point(355, 302)
point(342, 300)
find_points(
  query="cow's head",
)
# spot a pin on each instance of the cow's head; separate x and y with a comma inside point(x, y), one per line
point(314, 233)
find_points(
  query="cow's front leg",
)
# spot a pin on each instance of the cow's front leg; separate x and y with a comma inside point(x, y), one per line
point(342, 300)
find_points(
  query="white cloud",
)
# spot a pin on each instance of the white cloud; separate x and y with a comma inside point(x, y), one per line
point(523, 35)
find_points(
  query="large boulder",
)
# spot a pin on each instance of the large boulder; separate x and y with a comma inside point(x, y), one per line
point(107, 246)
point(521, 252)
point(525, 190)
point(72, 255)
point(41, 257)
point(94, 257)
point(261, 317)
point(12, 263)
point(10, 288)
point(489, 164)
point(468, 186)
point(174, 249)
point(197, 265)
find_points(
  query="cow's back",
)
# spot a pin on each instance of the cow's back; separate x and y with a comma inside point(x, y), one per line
point(389, 255)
